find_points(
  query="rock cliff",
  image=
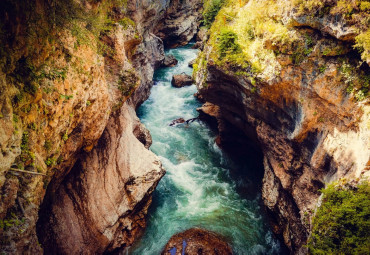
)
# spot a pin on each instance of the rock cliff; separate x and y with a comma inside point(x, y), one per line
point(72, 73)
point(180, 22)
point(294, 85)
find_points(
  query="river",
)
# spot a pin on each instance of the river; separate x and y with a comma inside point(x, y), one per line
point(202, 187)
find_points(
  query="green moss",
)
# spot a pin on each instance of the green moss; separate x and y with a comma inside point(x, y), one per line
point(341, 224)
point(322, 69)
point(11, 221)
point(126, 22)
point(65, 136)
point(47, 145)
point(51, 161)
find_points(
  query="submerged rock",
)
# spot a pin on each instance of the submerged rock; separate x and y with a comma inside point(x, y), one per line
point(181, 80)
point(196, 241)
point(169, 61)
point(177, 121)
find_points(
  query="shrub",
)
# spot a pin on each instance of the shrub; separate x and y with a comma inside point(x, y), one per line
point(363, 45)
point(228, 43)
point(342, 222)
point(210, 12)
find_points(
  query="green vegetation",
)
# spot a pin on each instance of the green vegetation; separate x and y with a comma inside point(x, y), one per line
point(211, 8)
point(322, 68)
point(11, 221)
point(228, 43)
point(355, 12)
point(357, 81)
point(363, 44)
point(127, 83)
point(65, 136)
point(126, 22)
point(342, 222)
point(47, 145)
point(246, 39)
point(51, 161)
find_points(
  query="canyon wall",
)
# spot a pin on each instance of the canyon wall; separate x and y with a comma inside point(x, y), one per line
point(75, 163)
point(302, 109)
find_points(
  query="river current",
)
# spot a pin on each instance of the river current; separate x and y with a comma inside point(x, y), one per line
point(200, 188)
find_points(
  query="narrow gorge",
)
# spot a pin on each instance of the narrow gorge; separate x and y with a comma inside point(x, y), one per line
point(265, 150)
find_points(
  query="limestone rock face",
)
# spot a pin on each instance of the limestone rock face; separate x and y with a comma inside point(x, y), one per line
point(196, 241)
point(59, 92)
point(180, 22)
point(300, 139)
point(181, 80)
point(310, 129)
point(101, 205)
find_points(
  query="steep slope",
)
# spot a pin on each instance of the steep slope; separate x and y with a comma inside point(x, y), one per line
point(286, 73)
point(72, 73)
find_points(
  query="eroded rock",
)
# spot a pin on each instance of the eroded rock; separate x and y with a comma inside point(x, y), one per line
point(169, 61)
point(303, 121)
point(177, 121)
point(180, 22)
point(101, 205)
point(196, 241)
point(181, 80)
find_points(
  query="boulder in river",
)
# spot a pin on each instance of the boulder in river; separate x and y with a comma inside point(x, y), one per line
point(197, 45)
point(196, 241)
point(169, 61)
point(177, 121)
point(181, 80)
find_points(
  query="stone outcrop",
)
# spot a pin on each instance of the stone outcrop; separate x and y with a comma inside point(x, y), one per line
point(196, 241)
point(181, 80)
point(180, 22)
point(305, 143)
point(311, 131)
point(101, 205)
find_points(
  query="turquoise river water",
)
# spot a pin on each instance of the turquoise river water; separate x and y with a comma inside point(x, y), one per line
point(199, 189)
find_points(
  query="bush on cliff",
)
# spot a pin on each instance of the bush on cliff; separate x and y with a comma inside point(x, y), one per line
point(211, 9)
point(342, 223)
point(228, 43)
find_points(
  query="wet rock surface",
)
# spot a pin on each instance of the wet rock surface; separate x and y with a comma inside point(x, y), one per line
point(196, 241)
point(181, 80)
point(177, 121)
point(169, 61)
point(180, 22)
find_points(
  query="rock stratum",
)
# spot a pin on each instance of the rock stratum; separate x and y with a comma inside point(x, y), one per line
point(76, 175)
point(293, 83)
